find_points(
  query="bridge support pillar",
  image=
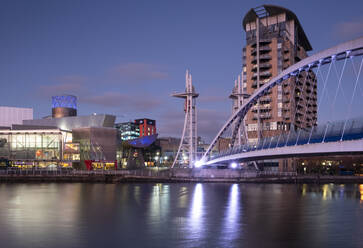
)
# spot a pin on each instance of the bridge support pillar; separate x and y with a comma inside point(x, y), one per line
point(287, 165)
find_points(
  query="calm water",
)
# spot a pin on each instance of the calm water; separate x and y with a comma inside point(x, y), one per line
point(180, 215)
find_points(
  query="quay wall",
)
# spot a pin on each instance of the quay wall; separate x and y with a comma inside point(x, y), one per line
point(171, 175)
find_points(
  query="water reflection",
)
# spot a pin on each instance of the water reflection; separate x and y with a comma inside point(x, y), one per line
point(196, 215)
point(180, 215)
point(231, 228)
point(159, 208)
point(30, 211)
point(330, 191)
point(183, 197)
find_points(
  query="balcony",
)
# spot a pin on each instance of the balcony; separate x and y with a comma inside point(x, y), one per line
point(263, 75)
point(265, 99)
point(263, 66)
point(265, 49)
point(262, 116)
point(262, 42)
point(265, 57)
point(263, 108)
point(265, 41)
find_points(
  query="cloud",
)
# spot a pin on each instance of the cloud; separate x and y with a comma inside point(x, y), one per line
point(349, 28)
point(70, 84)
point(59, 89)
point(71, 79)
point(209, 123)
point(138, 72)
point(122, 101)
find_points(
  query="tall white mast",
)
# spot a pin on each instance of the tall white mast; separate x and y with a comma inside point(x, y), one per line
point(188, 143)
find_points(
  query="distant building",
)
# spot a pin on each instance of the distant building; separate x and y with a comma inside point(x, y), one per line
point(128, 130)
point(146, 126)
point(14, 115)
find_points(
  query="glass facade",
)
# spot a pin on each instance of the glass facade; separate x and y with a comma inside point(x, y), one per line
point(16, 145)
point(128, 130)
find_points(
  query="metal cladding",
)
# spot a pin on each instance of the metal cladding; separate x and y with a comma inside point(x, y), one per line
point(64, 106)
point(63, 112)
point(70, 123)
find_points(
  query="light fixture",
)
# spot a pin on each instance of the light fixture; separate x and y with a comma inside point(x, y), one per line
point(234, 165)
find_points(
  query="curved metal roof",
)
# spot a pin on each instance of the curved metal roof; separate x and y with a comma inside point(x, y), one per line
point(142, 142)
point(276, 10)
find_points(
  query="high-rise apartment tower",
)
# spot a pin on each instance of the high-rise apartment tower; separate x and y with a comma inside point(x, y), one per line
point(276, 40)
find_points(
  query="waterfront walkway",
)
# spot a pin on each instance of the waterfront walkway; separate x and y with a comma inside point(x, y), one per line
point(169, 175)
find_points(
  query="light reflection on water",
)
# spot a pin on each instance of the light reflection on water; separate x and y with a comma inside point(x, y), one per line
point(231, 229)
point(195, 224)
point(180, 215)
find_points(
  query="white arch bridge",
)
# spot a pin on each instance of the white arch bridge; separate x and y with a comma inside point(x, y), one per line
point(343, 136)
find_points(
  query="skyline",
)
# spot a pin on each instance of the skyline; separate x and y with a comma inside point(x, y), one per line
point(67, 48)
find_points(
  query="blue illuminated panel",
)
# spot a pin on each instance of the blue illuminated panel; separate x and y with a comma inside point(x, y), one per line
point(143, 142)
point(67, 101)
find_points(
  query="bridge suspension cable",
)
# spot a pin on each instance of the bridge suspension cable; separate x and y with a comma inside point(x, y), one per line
point(304, 130)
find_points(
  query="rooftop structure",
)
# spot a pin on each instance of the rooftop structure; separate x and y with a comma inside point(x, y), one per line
point(14, 115)
point(64, 106)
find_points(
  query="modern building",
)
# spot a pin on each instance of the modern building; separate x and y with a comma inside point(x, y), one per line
point(14, 115)
point(40, 147)
point(33, 147)
point(64, 139)
point(98, 147)
point(72, 122)
point(128, 130)
point(276, 40)
point(147, 126)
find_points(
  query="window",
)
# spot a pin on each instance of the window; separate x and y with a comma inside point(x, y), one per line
point(252, 127)
point(273, 125)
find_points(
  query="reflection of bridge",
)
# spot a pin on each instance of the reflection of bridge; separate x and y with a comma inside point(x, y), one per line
point(344, 137)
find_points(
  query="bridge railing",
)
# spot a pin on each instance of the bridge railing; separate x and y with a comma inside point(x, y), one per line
point(329, 132)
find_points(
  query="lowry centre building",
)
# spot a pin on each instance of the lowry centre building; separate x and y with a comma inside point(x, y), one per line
point(63, 139)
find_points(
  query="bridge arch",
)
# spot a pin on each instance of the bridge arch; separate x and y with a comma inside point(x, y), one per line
point(340, 52)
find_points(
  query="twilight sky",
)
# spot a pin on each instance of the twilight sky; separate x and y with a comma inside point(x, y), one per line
point(126, 57)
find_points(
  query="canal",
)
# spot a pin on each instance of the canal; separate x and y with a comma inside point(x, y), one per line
point(180, 215)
